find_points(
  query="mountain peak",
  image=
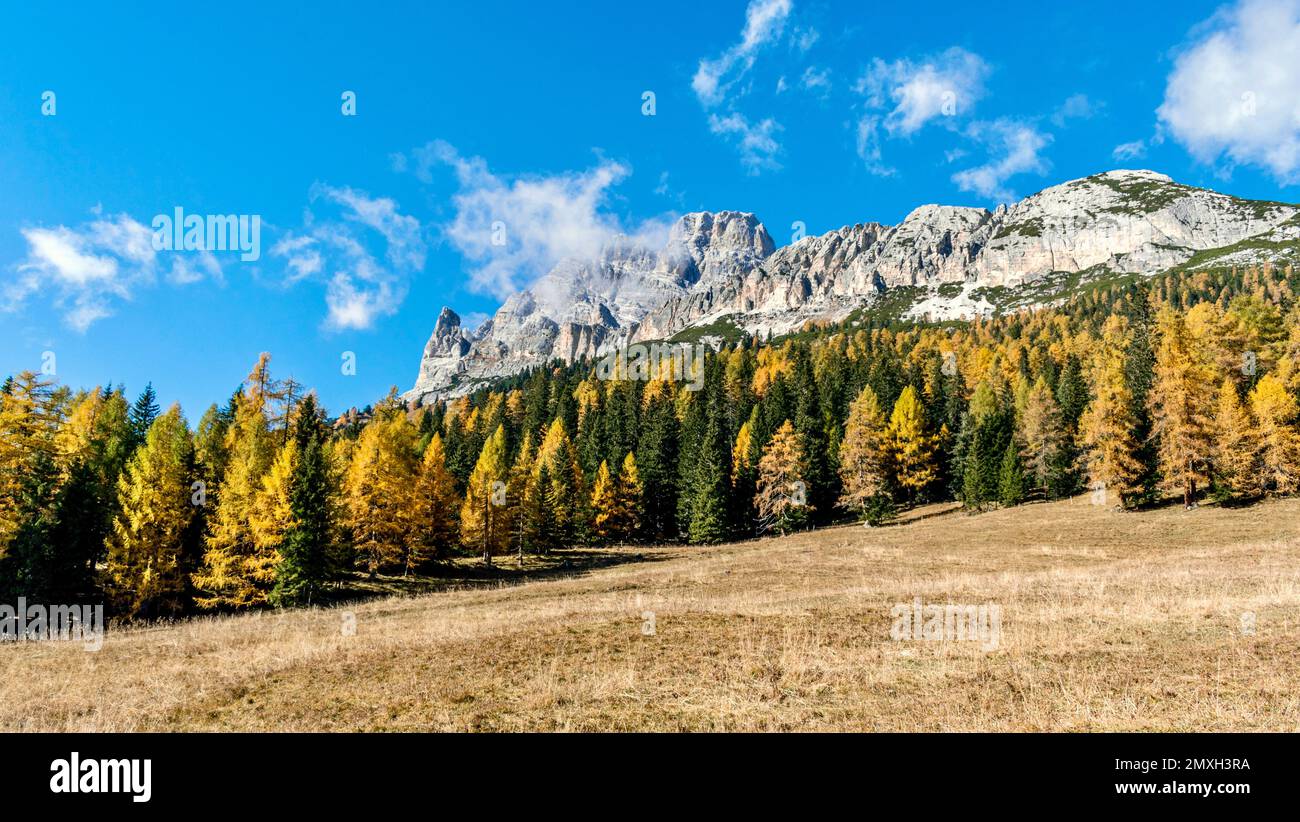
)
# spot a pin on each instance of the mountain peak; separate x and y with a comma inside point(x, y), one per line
point(447, 320)
point(1135, 173)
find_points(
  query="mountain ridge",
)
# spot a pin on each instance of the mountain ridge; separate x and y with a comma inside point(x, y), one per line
point(724, 266)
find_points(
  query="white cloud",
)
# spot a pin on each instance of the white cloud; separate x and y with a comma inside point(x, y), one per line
point(359, 288)
point(1233, 91)
point(192, 268)
point(814, 80)
point(757, 141)
point(868, 143)
point(86, 269)
point(764, 21)
point(662, 188)
point(515, 230)
point(1075, 107)
point(1014, 147)
point(945, 85)
point(1129, 151)
point(804, 38)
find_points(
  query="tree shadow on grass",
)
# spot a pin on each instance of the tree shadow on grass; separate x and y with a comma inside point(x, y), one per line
point(467, 574)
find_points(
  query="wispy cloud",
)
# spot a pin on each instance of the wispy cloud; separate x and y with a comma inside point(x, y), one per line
point(764, 22)
point(513, 230)
point(1076, 107)
point(816, 80)
point(1129, 151)
point(360, 287)
point(756, 141)
point(1014, 148)
point(917, 92)
point(900, 98)
point(868, 145)
point(87, 269)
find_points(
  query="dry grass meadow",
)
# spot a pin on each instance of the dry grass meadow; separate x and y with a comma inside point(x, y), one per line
point(1110, 622)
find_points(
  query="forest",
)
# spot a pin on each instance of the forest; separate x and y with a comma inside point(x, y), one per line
point(1179, 389)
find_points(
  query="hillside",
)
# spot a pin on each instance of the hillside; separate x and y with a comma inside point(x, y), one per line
point(1110, 621)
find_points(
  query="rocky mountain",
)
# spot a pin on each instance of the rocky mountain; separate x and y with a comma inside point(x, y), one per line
point(723, 268)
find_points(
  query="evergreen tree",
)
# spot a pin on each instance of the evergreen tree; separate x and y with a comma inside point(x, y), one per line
point(559, 481)
point(656, 457)
point(307, 545)
point(981, 476)
point(1011, 477)
point(711, 481)
point(27, 566)
point(810, 424)
point(143, 413)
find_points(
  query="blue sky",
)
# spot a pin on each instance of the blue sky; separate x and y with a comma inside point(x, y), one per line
point(814, 112)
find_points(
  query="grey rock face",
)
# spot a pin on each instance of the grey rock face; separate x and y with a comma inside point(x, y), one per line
point(724, 264)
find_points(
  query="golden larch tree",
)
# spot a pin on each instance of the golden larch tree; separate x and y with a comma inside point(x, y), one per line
point(1236, 444)
point(782, 496)
point(1107, 425)
point(864, 453)
point(1275, 411)
point(485, 516)
point(1182, 403)
point(150, 545)
point(434, 513)
point(912, 447)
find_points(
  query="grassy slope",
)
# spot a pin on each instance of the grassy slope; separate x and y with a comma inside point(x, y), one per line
point(1111, 621)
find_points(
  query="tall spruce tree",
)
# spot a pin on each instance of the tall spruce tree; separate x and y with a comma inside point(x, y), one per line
point(307, 545)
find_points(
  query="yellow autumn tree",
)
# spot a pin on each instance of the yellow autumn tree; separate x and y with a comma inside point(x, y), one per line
point(272, 514)
point(742, 459)
point(30, 412)
point(1236, 444)
point(484, 516)
point(630, 491)
point(604, 506)
point(151, 546)
point(435, 503)
point(524, 499)
point(1279, 443)
point(911, 447)
point(380, 488)
point(561, 486)
point(782, 496)
point(1107, 425)
point(1182, 402)
point(237, 572)
point(864, 453)
point(1042, 435)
